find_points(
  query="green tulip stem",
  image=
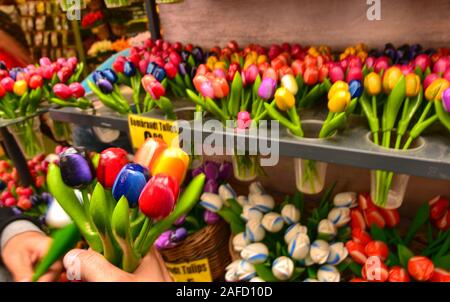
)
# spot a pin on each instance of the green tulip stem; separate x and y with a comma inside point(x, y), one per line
point(142, 234)
point(85, 196)
point(375, 114)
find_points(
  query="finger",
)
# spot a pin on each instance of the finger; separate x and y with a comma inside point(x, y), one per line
point(21, 268)
point(90, 266)
point(53, 274)
point(162, 265)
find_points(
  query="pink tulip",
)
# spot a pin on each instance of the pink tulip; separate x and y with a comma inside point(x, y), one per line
point(407, 69)
point(77, 90)
point(429, 79)
point(62, 91)
point(354, 61)
point(447, 75)
point(354, 73)
point(219, 73)
point(206, 89)
point(370, 61)
point(8, 84)
point(336, 73)
point(422, 61)
point(441, 65)
point(44, 61)
point(243, 120)
point(382, 63)
point(143, 66)
point(344, 64)
point(250, 74)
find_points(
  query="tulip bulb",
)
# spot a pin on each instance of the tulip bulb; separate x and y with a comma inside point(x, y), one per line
point(290, 214)
point(328, 273)
point(319, 251)
point(272, 222)
point(255, 253)
point(298, 248)
point(240, 241)
point(292, 231)
point(283, 268)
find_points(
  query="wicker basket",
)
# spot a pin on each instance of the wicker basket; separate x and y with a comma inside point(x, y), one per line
point(211, 242)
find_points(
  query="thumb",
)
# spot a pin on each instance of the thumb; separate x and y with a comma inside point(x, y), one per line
point(22, 269)
point(90, 266)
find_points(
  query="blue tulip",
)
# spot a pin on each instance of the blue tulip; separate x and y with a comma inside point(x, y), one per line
point(110, 75)
point(159, 74)
point(14, 71)
point(355, 88)
point(151, 68)
point(130, 181)
point(105, 86)
point(97, 75)
point(77, 170)
point(129, 69)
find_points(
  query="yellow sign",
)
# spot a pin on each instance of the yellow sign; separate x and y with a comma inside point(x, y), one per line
point(142, 127)
point(194, 271)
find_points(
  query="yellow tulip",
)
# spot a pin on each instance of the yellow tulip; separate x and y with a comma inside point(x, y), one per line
point(412, 85)
point(288, 81)
point(390, 78)
point(172, 161)
point(211, 61)
point(261, 59)
point(372, 83)
point(339, 101)
point(235, 58)
point(221, 65)
point(435, 90)
point(20, 87)
point(284, 99)
point(338, 85)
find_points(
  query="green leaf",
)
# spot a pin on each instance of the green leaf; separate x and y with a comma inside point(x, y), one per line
point(419, 220)
point(355, 268)
point(444, 117)
point(264, 273)
point(442, 262)
point(404, 254)
point(311, 272)
point(377, 233)
point(298, 271)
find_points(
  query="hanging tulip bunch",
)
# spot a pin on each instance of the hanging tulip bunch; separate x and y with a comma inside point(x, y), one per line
point(280, 243)
point(125, 205)
point(217, 176)
point(380, 254)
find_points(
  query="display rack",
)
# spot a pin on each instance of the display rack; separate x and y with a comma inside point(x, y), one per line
point(351, 147)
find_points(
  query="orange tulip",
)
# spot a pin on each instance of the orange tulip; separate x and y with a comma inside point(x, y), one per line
point(172, 161)
point(412, 84)
point(147, 154)
point(390, 78)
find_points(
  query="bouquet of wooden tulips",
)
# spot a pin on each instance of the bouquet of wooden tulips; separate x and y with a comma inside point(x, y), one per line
point(149, 71)
point(380, 254)
point(125, 205)
point(279, 242)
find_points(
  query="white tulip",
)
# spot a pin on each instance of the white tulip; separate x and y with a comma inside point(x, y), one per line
point(233, 265)
point(255, 253)
point(346, 200)
point(256, 188)
point(310, 280)
point(338, 253)
point(256, 279)
point(242, 200)
point(226, 192)
point(328, 273)
point(245, 270)
point(231, 275)
point(265, 203)
point(298, 248)
point(254, 231)
point(272, 222)
point(290, 214)
point(293, 230)
point(339, 216)
point(308, 260)
point(240, 241)
point(250, 212)
point(283, 268)
point(326, 230)
point(319, 251)
point(211, 201)
point(56, 217)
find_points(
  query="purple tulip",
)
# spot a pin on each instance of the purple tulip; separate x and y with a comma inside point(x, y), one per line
point(178, 235)
point(211, 170)
point(267, 88)
point(211, 186)
point(163, 241)
point(211, 217)
point(446, 99)
point(76, 168)
point(46, 197)
point(197, 171)
point(180, 221)
point(225, 171)
point(105, 86)
point(16, 211)
point(183, 69)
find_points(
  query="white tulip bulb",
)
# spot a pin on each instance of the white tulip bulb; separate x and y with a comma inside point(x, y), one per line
point(211, 201)
point(245, 270)
point(254, 231)
point(293, 230)
point(256, 188)
point(272, 222)
point(264, 203)
point(298, 248)
point(283, 268)
point(328, 273)
point(250, 212)
point(339, 216)
point(326, 230)
point(242, 200)
point(290, 214)
point(346, 200)
point(338, 253)
point(240, 241)
point(319, 251)
point(255, 253)
point(226, 192)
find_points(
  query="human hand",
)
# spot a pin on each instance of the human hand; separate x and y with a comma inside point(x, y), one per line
point(22, 252)
point(90, 266)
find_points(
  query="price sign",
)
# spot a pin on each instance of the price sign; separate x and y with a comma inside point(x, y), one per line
point(193, 271)
point(142, 127)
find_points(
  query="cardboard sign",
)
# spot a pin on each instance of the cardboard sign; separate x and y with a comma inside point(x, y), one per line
point(142, 127)
point(193, 271)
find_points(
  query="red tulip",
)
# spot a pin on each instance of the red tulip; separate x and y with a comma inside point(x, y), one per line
point(119, 63)
point(374, 270)
point(407, 69)
point(420, 268)
point(152, 86)
point(447, 75)
point(438, 207)
point(64, 74)
point(398, 274)
point(77, 90)
point(62, 91)
point(391, 217)
point(298, 67)
point(110, 163)
point(232, 69)
point(177, 46)
point(311, 76)
point(143, 64)
point(35, 81)
point(310, 61)
point(2, 91)
point(323, 73)
point(354, 73)
point(274, 51)
point(249, 75)
point(46, 72)
point(356, 251)
point(159, 196)
point(336, 73)
point(443, 222)
point(374, 217)
point(377, 248)
point(357, 219)
point(382, 63)
point(365, 202)
point(440, 275)
point(354, 61)
point(422, 61)
point(175, 58)
point(360, 236)
point(284, 70)
point(171, 70)
point(278, 62)
point(221, 88)
point(8, 84)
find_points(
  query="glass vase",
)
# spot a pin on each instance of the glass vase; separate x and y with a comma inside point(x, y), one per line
point(387, 189)
point(310, 175)
point(28, 137)
point(245, 167)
